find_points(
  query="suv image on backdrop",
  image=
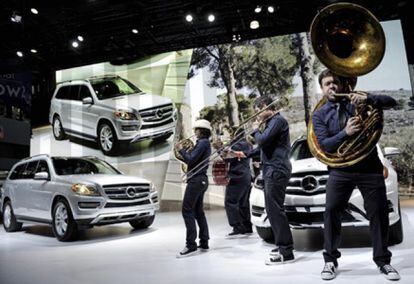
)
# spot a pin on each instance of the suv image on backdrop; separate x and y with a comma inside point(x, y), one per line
point(71, 193)
point(110, 110)
point(305, 196)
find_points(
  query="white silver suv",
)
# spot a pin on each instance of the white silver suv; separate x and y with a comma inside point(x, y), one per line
point(110, 110)
point(305, 196)
point(72, 193)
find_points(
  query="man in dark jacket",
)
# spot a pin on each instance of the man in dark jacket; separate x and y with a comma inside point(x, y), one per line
point(333, 123)
point(197, 184)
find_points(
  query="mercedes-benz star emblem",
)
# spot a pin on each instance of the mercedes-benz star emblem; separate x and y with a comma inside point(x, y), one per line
point(159, 113)
point(309, 183)
point(130, 191)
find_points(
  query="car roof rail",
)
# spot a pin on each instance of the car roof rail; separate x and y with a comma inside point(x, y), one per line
point(104, 76)
point(36, 156)
point(68, 81)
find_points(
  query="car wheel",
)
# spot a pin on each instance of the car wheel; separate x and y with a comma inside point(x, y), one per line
point(9, 220)
point(161, 139)
point(142, 223)
point(64, 227)
point(266, 234)
point(396, 234)
point(107, 140)
point(58, 130)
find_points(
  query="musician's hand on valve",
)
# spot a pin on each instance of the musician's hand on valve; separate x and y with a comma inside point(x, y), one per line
point(357, 99)
point(353, 126)
point(178, 146)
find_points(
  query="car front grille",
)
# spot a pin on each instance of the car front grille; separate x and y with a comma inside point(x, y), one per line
point(307, 183)
point(127, 191)
point(156, 114)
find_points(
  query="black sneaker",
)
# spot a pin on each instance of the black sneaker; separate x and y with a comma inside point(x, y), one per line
point(329, 271)
point(389, 272)
point(274, 252)
point(186, 252)
point(203, 247)
point(280, 259)
point(236, 234)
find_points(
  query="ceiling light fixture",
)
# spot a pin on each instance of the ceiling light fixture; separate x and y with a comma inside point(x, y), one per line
point(254, 25)
point(135, 31)
point(34, 11)
point(80, 38)
point(33, 50)
point(258, 9)
point(189, 18)
point(75, 44)
point(211, 18)
point(16, 18)
point(270, 9)
point(19, 53)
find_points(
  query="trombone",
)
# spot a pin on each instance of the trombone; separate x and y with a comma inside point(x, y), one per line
point(235, 140)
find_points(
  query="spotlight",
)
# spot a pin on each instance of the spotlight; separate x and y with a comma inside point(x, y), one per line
point(19, 53)
point(16, 18)
point(211, 18)
point(80, 38)
point(254, 25)
point(258, 9)
point(75, 44)
point(34, 11)
point(33, 50)
point(189, 18)
point(270, 9)
point(135, 31)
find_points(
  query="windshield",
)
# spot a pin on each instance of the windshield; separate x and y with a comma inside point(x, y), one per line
point(107, 88)
point(300, 151)
point(82, 166)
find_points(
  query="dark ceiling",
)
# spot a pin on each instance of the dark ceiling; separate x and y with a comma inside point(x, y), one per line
point(106, 26)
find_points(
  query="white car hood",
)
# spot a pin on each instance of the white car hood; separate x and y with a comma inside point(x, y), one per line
point(101, 179)
point(137, 101)
point(308, 165)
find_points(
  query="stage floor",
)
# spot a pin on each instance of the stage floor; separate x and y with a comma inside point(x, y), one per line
point(118, 254)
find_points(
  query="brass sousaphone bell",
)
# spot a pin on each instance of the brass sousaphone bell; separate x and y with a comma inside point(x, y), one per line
point(350, 41)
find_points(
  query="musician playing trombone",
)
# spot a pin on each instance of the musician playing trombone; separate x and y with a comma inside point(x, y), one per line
point(197, 184)
point(333, 123)
point(274, 145)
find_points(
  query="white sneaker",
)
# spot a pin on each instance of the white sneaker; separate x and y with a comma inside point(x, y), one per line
point(389, 272)
point(329, 271)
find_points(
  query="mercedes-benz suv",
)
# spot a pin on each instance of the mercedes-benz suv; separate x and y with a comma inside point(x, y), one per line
point(110, 110)
point(73, 193)
point(305, 196)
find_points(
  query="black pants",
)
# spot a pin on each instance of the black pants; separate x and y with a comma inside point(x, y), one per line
point(338, 191)
point(275, 187)
point(193, 211)
point(237, 203)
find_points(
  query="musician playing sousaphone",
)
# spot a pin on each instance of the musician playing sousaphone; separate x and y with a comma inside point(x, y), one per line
point(333, 123)
point(197, 185)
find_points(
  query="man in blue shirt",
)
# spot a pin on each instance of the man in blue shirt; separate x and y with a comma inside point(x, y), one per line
point(274, 145)
point(333, 123)
point(236, 201)
point(197, 184)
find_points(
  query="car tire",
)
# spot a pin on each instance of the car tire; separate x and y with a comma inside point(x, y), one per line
point(161, 139)
point(107, 139)
point(396, 234)
point(10, 223)
point(142, 223)
point(266, 234)
point(58, 131)
point(63, 225)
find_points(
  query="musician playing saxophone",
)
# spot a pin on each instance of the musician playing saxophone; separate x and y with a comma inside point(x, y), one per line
point(333, 123)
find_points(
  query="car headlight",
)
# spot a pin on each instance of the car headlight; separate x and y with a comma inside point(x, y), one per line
point(125, 115)
point(83, 189)
point(152, 187)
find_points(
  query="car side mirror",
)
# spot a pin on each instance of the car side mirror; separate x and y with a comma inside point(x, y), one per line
point(391, 152)
point(87, 101)
point(41, 176)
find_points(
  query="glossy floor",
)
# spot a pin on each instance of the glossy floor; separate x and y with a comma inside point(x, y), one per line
point(118, 254)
